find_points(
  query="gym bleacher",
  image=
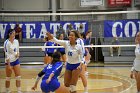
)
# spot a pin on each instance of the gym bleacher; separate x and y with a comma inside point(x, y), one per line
point(127, 53)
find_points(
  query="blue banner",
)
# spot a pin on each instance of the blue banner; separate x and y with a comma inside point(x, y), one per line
point(121, 28)
point(38, 29)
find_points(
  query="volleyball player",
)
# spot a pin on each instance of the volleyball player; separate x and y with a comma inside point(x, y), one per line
point(48, 51)
point(74, 59)
point(62, 50)
point(11, 49)
point(43, 49)
point(82, 74)
point(87, 42)
point(50, 82)
point(135, 71)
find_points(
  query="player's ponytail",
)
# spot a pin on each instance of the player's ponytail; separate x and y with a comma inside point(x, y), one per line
point(56, 57)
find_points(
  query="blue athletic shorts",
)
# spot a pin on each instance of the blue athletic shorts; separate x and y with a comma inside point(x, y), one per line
point(85, 63)
point(14, 63)
point(72, 66)
point(85, 54)
point(52, 86)
point(62, 53)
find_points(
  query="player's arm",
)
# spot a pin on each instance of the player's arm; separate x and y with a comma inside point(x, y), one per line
point(132, 71)
point(81, 55)
point(40, 74)
point(7, 53)
point(137, 51)
point(17, 52)
point(57, 67)
point(50, 77)
point(52, 38)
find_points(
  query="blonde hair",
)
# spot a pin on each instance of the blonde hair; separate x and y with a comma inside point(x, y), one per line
point(136, 39)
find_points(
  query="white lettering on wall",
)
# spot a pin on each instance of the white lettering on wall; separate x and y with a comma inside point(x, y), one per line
point(77, 25)
point(2, 29)
point(127, 29)
point(35, 30)
point(29, 30)
point(12, 26)
point(53, 27)
point(43, 30)
point(114, 31)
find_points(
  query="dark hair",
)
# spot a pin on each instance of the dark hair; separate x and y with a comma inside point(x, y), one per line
point(88, 32)
point(83, 35)
point(76, 33)
point(10, 31)
point(56, 57)
point(58, 35)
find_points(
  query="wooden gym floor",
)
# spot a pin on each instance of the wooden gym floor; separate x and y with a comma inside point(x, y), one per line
point(102, 79)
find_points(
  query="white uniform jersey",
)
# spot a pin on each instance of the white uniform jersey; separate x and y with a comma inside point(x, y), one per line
point(136, 64)
point(11, 49)
point(81, 42)
point(74, 53)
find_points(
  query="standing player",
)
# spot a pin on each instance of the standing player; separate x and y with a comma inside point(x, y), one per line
point(50, 82)
point(136, 66)
point(11, 49)
point(48, 51)
point(82, 74)
point(62, 50)
point(88, 42)
point(74, 57)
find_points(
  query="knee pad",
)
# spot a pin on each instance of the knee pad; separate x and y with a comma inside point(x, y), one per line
point(69, 88)
point(73, 88)
point(18, 78)
point(8, 78)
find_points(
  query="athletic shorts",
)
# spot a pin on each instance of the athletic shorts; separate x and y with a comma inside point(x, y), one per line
point(62, 53)
point(85, 63)
point(52, 86)
point(48, 54)
point(72, 66)
point(85, 54)
point(14, 63)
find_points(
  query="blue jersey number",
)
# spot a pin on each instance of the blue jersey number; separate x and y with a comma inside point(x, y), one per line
point(14, 49)
point(70, 53)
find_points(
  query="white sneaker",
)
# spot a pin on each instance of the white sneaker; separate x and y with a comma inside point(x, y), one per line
point(19, 92)
point(85, 92)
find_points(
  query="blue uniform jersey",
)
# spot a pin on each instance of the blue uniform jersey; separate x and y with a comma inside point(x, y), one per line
point(61, 50)
point(84, 40)
point(87, 41)
point(50, 50)
point(55, 68)
point(54, 84)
